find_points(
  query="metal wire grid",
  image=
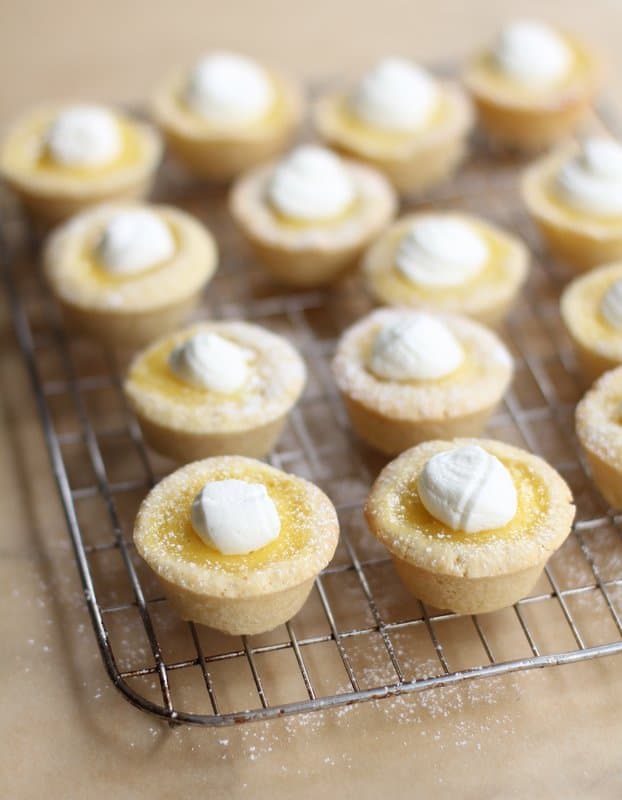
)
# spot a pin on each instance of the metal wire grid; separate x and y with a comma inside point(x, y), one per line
point(584, 569)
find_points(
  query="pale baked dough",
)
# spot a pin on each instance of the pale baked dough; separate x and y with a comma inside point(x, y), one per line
point(487, 297)
point(413, 161)
point(477, 572)
point(131, 310)
point(53, 192)
point(237, 594)
point(311, 254)
point(597, 344)
point(599, 430)
point(187, 423)
point(395, 415)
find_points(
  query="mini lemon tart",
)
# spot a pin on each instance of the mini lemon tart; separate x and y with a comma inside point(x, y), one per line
point(575, 197)
point(447, 261)
point(599, 430)
point(401, 120)
point(309, 216)
point(591, 309)
point(125, 273)
point(60, 160)
point(470, 523)
point(225, 114)
point(236, 544)
point(407, 376)
point(533, 86)
point(215, 388)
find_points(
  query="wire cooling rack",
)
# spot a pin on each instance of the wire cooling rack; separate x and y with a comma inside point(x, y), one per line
point(360, 636)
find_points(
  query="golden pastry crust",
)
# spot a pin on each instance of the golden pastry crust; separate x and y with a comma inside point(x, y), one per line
point(413, 162)
point(487, 297)
point(53, 192)
point(218, 153)
point(531, 119)
point(311, 254)
point(598, 421)
point(597, 344)
point(395, 415)
point(579, 239)
point(129, 309)
point(470, 573)
point(184, 422)
point(238, 594)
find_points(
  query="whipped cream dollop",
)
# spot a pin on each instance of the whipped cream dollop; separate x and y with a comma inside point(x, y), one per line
point(229, 89)
point(209, 361)
point(235, 517)
point(84, 136)
point(532, 52)
point(592, 181)
point(395, 95)
point(611, 304)
point(415, 347)
point(133, 241)
point(441, 251)
point(311, 183)
point(468, 489)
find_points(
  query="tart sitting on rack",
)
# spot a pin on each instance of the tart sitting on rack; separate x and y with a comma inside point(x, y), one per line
point(591, 309)
point(575, 197)
point(215, 388)
point(401, 120)
point(309, 216)
point(125, 273)
point(407, 376)
point(470, 523)
point(61, 159)
point(533, 86)
point(236, 543)
point(447, 261)
point(226, 114)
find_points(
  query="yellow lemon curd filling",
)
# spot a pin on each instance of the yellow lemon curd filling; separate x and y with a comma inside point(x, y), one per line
point(406, 508)
point(151, 374)
point(398, 285)
point(26, 151)
point(175, 535)
point(588, 320)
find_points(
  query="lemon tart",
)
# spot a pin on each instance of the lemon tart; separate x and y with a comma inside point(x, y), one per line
point(447, 261)
point(124, 273)
point(406, 376)
point(533, 86)
point(591, 309)
point(60, 159)
point(225, 114)
point(599, 430)
point(575, 197)
point(236, 544)
point(401, 120)
point(215, 388)
point(470, 523)
point(309, 216)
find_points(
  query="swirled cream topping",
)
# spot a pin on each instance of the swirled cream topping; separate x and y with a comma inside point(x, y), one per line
point(133, 241)
point(592, 181)
point(229, 89)
point(83, 136)
point(235, 517)
point(311, 184)
point(611, 304)
point(441, 251)
point(415, 347)
point(468, 489)
point(209, 361)
point(532, 53)
point(395, 95)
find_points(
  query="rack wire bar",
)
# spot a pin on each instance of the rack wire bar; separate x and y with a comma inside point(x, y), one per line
point(357, 620)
